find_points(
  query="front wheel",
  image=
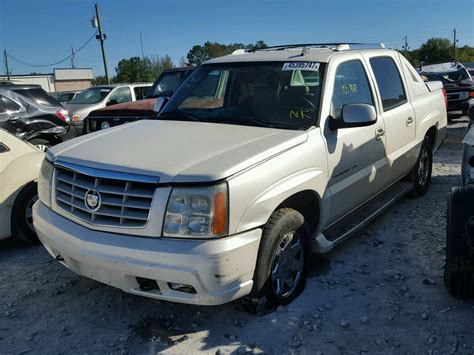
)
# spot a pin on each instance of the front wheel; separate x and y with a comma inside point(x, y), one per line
point(22, 214)
point(283, 258)
point(420, 176)
point(42, 144)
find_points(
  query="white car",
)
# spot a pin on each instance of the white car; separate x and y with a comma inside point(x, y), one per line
point(259, 159)
point(20, 163)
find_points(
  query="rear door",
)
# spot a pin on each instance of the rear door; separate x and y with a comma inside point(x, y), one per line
point(397, 113)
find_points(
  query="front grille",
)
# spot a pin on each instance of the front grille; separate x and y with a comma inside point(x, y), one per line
point(122, 203)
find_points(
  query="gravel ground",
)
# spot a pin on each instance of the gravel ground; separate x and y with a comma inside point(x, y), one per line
point(380, 292)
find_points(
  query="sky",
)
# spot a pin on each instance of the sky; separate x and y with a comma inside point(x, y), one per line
point(41, 32)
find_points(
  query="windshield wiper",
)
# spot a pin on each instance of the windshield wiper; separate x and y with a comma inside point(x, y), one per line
point(180, 115)
point(251, 121)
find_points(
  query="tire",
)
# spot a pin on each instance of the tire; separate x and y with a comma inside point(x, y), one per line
point(459, 272)
point(22, 218)
point(420, 175)
point(285, 230)
point(41, 144)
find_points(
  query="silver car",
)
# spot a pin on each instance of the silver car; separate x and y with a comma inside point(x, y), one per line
point(100, 96)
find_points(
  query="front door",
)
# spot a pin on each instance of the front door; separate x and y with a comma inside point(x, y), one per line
point(356, 156)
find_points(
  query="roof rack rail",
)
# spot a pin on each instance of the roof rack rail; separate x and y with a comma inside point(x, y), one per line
point(338, 46)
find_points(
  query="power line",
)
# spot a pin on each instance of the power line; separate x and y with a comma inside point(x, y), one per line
point(56, 63)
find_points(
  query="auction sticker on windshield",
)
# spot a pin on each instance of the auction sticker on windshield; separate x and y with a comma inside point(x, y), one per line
point(313, 66)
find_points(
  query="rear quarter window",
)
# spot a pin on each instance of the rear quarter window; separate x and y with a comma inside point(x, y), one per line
point(39, 96)
point(389, 82)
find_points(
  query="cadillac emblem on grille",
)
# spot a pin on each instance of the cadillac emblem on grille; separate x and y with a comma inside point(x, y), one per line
point(92, 200)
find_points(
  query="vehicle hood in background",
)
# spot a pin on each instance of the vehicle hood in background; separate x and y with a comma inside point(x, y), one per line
point(82, 109)
point(140, 108)
point(177, 151)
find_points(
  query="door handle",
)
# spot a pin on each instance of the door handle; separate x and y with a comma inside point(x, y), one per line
point(379, 133)
point(409, 121)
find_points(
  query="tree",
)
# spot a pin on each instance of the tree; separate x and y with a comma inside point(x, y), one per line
point(158, 64)
point(99, 80)
point(199, 54)
point(435, 49)
point(134, 69)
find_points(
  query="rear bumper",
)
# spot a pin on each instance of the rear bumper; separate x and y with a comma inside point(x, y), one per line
point(219, 270)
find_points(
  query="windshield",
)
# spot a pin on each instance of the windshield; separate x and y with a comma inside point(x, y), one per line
point(91, 96)
point(167, 83)
point(275, 94)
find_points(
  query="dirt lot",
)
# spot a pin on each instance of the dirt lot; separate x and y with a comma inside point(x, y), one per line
point(382, 291)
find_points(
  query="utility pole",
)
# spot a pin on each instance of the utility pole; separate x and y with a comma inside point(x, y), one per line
point(454, 44)
point(101, 37)
point(405, 46)
point(6, 63)
point(141, 43)
point(72, 58)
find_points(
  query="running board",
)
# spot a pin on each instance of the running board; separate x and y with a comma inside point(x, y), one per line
point(358, 219)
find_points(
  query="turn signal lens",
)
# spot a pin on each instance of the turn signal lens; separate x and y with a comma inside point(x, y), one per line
point(220, 213)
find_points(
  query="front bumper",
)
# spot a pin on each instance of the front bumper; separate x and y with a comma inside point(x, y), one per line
point(219, 270)
point(78, 127)
point(458, 105)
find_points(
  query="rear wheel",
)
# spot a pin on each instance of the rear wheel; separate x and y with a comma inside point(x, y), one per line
point(22, 214)
point(283, 258)
point(420, 176)
point(459, 272)
point(41, 144)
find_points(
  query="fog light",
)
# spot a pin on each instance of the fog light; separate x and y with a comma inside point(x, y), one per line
point(182, 288)
point(147, 284)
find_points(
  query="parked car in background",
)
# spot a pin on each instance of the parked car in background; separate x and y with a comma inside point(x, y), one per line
point(259, 159)
point(459, 271)
point(66, 96)
point(101, 96)
point(111, 116)
point(20, 165)
point(456, 81)
point(31, 114)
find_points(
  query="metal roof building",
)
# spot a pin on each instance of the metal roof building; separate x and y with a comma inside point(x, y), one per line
point(62, 79)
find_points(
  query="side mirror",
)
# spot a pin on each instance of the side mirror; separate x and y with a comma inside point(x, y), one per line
point(354, 115)
point(111, 102)
point(160, 104)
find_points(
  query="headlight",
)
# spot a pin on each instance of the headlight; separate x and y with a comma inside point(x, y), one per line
point(197, 212)
point(45, 181)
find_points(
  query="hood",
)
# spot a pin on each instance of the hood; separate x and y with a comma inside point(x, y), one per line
point(140, 108)
point(177, 151)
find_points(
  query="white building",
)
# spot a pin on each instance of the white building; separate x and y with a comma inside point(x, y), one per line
point(60, 80)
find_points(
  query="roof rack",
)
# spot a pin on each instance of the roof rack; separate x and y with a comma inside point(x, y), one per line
point(334, 46)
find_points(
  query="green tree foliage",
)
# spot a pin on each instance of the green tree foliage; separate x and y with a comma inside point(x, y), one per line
point(136, 69)
point(199, 54)
point(435, 49)
point(99, 80)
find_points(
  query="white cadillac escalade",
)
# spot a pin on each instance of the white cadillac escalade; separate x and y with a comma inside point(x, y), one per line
point(259, 159)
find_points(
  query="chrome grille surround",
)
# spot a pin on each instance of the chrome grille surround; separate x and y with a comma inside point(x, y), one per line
point(125, 199)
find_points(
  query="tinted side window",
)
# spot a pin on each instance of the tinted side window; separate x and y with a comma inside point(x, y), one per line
point(2, 105)
point(389, 82)
point(39, 96)
point(141, 92)
point(10, 105)
point(351, 86)
point(121, 95)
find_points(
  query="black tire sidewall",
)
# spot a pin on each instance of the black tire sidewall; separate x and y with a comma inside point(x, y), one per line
point(421, 189)
point(280, 223)
point(458, 254)
point(20, 228)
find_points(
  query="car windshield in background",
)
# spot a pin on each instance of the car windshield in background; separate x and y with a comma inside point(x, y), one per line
point(266, 94)
point(167, 83)
point(39, 96)
point(91, 96)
